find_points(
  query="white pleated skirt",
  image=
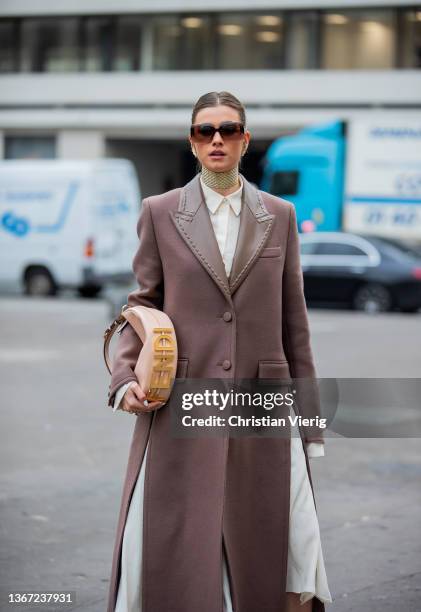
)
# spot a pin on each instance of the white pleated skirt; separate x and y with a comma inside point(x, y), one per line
point(306, 572)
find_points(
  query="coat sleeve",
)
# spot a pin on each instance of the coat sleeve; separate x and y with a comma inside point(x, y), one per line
point(296, 334)
point(147, 268)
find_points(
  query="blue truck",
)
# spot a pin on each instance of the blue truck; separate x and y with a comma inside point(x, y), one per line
point(362, 175)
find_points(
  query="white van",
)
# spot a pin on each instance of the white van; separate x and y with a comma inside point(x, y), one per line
point(67, 224)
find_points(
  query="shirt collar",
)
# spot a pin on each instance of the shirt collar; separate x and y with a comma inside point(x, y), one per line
point(214, 199)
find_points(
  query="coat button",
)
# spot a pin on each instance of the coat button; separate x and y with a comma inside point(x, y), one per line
point(226, 364)
point(227, 316)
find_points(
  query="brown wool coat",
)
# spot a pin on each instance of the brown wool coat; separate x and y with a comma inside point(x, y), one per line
point(203, 493)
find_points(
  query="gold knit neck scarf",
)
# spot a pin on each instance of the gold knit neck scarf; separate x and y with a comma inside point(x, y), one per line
point(220, 180)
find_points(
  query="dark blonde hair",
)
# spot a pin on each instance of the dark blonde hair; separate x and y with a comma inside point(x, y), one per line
point(216, 98)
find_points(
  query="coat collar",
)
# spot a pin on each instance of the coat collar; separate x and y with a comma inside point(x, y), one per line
point(192, 220)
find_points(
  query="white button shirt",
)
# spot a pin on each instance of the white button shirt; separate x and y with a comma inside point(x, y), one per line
point(225, 216)
point(224, 213)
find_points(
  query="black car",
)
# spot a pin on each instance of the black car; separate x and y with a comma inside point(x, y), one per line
point(365, 272)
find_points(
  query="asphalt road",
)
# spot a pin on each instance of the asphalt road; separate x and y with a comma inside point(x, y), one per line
point(63, 455)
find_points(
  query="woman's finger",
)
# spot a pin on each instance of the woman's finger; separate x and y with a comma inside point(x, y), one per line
point(137, 392)
point(134, 399)
point(141, 397)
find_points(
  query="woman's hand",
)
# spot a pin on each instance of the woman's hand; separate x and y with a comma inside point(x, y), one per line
point(133, 400)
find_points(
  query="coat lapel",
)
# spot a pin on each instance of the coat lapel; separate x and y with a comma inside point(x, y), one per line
point(255, 226)
point(193, 222)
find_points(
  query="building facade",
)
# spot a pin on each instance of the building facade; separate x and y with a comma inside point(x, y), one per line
point(115, 78)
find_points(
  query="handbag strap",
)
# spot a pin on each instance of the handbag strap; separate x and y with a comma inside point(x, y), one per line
point(120, 320)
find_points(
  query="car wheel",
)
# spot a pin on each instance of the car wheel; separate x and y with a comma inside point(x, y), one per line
point(373, 298)
point(39, 282)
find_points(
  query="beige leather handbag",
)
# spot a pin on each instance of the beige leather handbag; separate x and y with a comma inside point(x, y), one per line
point(156, 366)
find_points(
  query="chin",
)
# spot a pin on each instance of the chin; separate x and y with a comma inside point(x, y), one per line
point(220, 167)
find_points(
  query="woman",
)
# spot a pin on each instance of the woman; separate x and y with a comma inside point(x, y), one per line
point(218, 524)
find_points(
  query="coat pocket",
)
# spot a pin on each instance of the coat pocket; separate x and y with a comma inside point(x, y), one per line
point(182, 367)
point(274, 251)
point(274, 370)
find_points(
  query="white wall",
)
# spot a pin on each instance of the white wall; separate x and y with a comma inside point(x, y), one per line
point(261, 87)
point(80, 144)
point(168, 125)
point(132, 105)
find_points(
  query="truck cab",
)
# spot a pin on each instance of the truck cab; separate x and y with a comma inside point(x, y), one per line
point(307, 169)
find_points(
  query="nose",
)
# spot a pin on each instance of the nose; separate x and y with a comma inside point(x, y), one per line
point(217, 138)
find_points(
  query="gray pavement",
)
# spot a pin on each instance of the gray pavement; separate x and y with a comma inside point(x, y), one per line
point(63, 455)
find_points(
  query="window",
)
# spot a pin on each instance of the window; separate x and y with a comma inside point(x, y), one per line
point(196, 43)
point(97, 35)
point(302, 40)
point(50, 45)
point(308, 248)
point(166, 42)
point(396, 251)
point(339, 248)
point(183, 42)
point(284, 183)
point(126, 56)
point(363, 38)
point(358, 39)
point(30, 147)
point(8, 46)
point(410, 39)
point(250, 41)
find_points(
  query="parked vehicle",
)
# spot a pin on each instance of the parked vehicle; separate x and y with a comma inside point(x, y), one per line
point(67, 224)
point(367, 273)
point(361, 176)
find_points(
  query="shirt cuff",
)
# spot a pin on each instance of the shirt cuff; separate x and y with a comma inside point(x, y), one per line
point(119, 395)
point(315, 449)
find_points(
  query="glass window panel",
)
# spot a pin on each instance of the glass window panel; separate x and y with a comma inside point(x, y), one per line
point(30, 147)
point(8, 50)
point(358, 39)
point(166, 31)
point(127, 44)
point(307, 248)
point(250, 42)
point(196, 43)
point(301, 45)
point(339, 248)
point(182, 42)
point(411, 39)
point(50, 45)
point(394, 250)
point(97, 36)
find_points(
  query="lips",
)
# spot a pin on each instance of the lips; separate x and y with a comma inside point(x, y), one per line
point(217, 154)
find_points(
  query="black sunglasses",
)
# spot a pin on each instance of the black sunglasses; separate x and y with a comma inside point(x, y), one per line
point(204, 132)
